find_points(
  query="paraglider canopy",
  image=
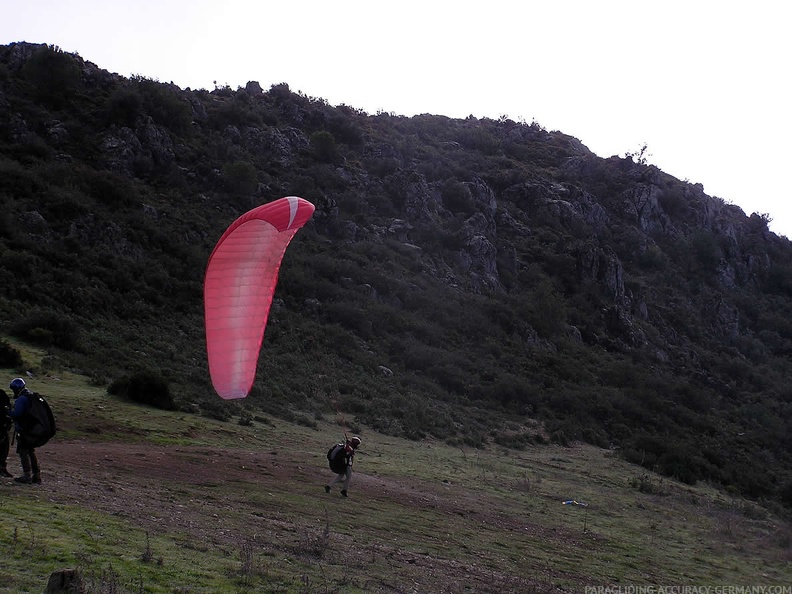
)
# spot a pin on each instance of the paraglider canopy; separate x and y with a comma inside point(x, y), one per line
point(240, 281)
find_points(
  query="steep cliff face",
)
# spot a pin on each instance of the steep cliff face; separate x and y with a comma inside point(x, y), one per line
point(601, 212)
point(654, 214)
point(486, 265)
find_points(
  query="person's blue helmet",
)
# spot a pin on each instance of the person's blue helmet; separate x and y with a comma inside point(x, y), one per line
point(17, 384)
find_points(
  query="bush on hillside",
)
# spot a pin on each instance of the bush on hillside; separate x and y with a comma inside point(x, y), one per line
point(144, 387)
point(240, 177)
point(457, 197)
point(48, 328)
point(9, 356)
point(54, 74)
point(324, 144)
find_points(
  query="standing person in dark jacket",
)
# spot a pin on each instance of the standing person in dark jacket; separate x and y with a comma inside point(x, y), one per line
point(5, 425)
point(345, 451)
point(27, 455)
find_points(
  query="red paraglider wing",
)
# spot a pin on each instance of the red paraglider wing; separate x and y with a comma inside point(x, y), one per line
point(240, 280)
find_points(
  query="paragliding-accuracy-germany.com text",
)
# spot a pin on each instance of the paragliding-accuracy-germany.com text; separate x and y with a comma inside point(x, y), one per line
point(688, 589)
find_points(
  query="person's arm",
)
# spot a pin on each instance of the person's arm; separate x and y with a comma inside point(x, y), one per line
point(20, 404)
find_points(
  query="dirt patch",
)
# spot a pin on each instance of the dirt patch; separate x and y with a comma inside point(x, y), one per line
point(202, 493)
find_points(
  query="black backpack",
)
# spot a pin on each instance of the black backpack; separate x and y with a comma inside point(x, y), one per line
point(38, 424)
point(337, 458)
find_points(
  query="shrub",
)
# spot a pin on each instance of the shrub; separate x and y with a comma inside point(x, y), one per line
point(124, 107)
point(706, 250)
point(236, 111)
point(457, 197)
point(680, 463)
point(345, 129)
point(514, 394)
point(305, 421)
point(163, 103)
point(240, 177)
point(516, 441)
point(55, 74)
point(646, 483)
point(9, 356)
point(672, 200)
point(45, 328)
point(785, 493)
point(325, 146)
point(216, 409)
point(548, 312)
point(109, 188)
point(652, 258)
point(479, 139)
point(644, 449)
point(144, 387)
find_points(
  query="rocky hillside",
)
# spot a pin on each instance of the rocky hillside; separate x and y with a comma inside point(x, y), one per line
point(474, 280)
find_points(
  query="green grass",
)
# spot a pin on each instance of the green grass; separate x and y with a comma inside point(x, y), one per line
point(49, 537)
point(421, 516)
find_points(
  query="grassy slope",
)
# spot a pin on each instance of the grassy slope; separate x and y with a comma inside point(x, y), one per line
point(422, 516)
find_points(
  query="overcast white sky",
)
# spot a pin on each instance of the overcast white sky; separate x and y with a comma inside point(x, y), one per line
point(704, 84)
